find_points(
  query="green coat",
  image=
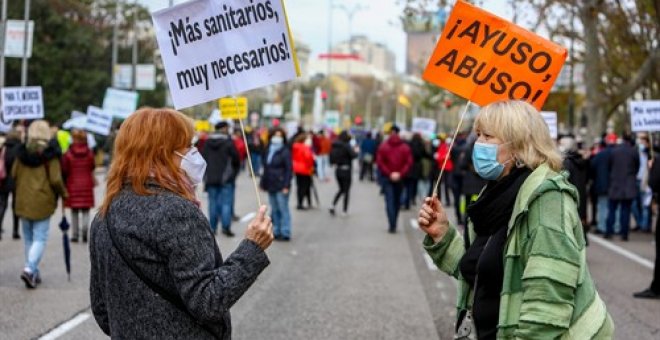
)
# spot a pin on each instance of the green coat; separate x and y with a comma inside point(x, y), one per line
point(547, 291)
point(36, 194)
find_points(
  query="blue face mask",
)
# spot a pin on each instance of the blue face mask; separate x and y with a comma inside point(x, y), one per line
point(484, 159)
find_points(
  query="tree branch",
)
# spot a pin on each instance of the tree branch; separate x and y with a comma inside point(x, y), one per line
point(648, 68)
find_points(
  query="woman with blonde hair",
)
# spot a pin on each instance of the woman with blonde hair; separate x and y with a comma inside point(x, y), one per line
point(521, 266)
point(156, 270)
point(78, 169)
point(38, 181)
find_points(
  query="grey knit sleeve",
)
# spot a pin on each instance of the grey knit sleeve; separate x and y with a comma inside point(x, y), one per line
point(207, 290)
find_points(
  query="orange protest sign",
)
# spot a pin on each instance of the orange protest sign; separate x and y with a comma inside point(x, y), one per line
point(484, 58)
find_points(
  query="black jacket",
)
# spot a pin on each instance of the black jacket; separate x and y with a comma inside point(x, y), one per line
point(168, 239)
point(11, 151)
point(419, 153)
point(624, 165)
point(578, 169)
point(342, 154)
point(278, 172)
point(222, 160)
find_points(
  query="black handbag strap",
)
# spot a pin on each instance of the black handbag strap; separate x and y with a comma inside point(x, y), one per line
point(171, 298)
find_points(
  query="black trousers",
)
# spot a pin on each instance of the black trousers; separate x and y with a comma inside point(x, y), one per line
point(304, 185)
point(655, 285)
point(367, 170)
point(343, 177)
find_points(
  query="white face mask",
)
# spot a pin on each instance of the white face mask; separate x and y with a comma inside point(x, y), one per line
point(194, 165)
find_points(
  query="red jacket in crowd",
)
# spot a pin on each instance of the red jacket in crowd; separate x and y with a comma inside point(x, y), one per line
point(303, 159)
point(240, 147)
point(394, 156)
point(78, 171)
point(443, 152)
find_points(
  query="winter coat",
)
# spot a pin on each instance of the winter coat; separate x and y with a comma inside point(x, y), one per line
point(240, 148)
point(600, 172)
point(278, 172)
point(578, 170)
point(303, 159)
point(441, 155)
point(39, 182)
point(547, 291)
point(419, 153)
point(623, 165)
point(78, 172)
point(394, 156)
point(11, 148)
point(342, 154)
point(222, 160)
point(368, 147)
point(169, 240)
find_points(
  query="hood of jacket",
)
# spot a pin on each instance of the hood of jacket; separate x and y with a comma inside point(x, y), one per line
point(35, 159)
point(79, 150)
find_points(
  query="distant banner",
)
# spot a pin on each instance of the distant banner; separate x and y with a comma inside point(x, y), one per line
point(216, 48)
point(230, 110)
point(550, 119)
point(120, 103)
point(645, 115)
point(424, 126)
point(98, 121)
point(484, 58)
point(22, 103)
point(272, 110)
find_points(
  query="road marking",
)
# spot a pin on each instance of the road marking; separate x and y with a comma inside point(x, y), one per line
point(414, 224)
point(65, 327)
point(630, 255)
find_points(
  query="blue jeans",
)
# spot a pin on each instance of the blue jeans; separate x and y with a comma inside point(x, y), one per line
point(279, 203)
point(624, 216)
point(639, 211)
point(221, 202)
point(603, 203)
point(393, 191)
point(35, 235)
point(256, 163)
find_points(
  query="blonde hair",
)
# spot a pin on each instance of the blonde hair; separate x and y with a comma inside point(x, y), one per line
point(38, 131)
point(521, 125)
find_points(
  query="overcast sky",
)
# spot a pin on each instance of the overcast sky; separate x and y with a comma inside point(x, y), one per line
point(379, 21)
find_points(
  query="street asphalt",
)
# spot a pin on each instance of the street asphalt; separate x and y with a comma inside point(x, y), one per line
point(338, 278)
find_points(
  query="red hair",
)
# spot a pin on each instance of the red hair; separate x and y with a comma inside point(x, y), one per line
point(144, 149)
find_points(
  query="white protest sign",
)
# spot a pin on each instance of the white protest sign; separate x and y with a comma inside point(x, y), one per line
point(145, 78)
point(22, 103)
point(15, 38)
point(332, 119)
point(216, 48)
point(272, 110)
point(645, 115)
point(5, 126)
point(550, 118)
point(424, 126)
point(98, 121)
point(76, 114)
point(120, 103)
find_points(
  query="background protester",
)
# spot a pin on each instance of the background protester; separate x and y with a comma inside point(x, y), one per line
point(394, 160)
point(322, 147)
point(256, 148)
point(441, 155)
point(223, 163)
point(303, 167)
point(78, 170)
point(419, 154)
point(8, 145)
point(502, 265)
point(600, 176)
point(578, 169)
point(167, 277)
point(624, 165)
point(653, 292)
point(641, 206)
point(276, 180)
point(367, 157)
point(38, 177)
point(342, 156)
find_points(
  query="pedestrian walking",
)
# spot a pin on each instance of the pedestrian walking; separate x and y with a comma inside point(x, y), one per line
point(303, 168)
point(276, 180)
point(394, 160)
point(8, 149)
point(38, 177)
point(418, 150)
point(256, 148)
point(521, 265)
point(342, 156)
point(624, 165)
point(78, 171)
point(322, 146)
point(600, 175)
point(653, 292)
point(156, 269)
point(223, 164)
point(367, 157)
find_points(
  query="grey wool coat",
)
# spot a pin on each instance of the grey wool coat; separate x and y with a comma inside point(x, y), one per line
point(169, 240)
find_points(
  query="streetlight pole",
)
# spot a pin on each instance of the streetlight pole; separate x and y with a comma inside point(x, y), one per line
point(571, 82)
point(115, 33)
point(2, 48)
point(350, 13)
point(329, 101)
point(24, 64)
point(135, 48)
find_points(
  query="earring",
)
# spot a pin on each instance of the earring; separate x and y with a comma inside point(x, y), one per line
point(519, 164)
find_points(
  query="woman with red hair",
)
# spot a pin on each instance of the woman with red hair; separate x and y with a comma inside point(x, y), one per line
point(156, 269)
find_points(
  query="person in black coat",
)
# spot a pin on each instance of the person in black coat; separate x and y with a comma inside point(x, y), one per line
point(7, 185)
point(653, 292)
point(419, 153)
point(623, 165)
point(276, 180)
point(342, 156)
point(600, 177)
point(578, 169)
